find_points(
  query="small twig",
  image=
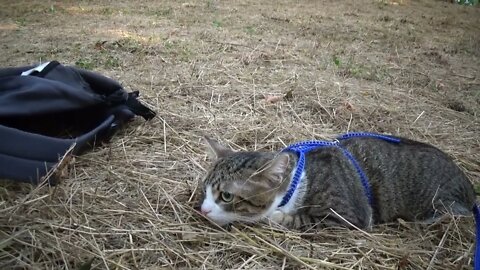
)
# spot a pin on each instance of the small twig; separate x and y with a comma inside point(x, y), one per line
point(351, 224)
point(440, 245)
point(464, 76)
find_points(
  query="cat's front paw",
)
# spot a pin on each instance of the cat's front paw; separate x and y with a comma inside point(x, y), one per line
point(277, 216)
point(281, 218)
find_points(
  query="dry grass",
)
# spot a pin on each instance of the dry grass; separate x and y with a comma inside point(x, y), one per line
point(409, 69)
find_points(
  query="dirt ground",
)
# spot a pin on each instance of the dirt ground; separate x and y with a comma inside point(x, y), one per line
point(408, 68)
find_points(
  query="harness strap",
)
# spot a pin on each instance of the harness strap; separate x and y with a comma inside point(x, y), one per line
point(302, 148)
point(476, 258)
point(361, 173)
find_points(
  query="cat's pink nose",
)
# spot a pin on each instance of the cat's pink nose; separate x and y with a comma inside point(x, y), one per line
point(205, 211)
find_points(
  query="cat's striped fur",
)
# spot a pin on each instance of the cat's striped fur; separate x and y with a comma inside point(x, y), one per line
point(409, 180)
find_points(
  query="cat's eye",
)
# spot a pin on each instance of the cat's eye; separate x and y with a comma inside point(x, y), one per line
point(226, 197)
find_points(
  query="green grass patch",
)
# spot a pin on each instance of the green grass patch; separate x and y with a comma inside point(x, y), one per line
point(217, 23)
point(85, 63)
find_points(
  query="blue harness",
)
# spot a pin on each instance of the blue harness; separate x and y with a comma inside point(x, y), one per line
point(302, 148)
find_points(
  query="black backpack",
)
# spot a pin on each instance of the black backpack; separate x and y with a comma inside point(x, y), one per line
point(50, 109)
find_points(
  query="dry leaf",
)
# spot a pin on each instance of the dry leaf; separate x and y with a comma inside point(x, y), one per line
point(403, 262)
point(188, 5)
point(288, 95)
point(99, 45)
point(273, 99)
point(348, 105)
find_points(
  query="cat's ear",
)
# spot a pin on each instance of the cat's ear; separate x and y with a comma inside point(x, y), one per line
point(215, 150)
point(277, 167)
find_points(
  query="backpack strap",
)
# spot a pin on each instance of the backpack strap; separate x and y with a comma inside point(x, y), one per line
point(27, 157)
point(138, 108)
point(24, 170)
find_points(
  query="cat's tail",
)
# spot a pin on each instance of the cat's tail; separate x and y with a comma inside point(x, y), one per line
point(476, 258)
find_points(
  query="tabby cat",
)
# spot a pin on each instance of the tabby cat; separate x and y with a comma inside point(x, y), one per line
point(409, 180)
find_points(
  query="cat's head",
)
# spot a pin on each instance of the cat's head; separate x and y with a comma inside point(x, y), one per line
point(243, 186)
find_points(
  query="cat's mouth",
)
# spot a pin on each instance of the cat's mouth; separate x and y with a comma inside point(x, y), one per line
point(222, 218)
